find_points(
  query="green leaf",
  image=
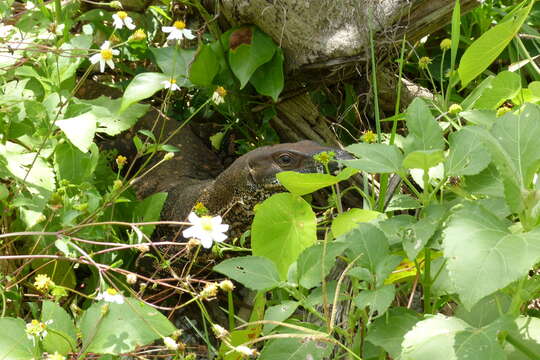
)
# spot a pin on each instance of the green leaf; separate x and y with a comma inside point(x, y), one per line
point(486, 310)
point(142, 87)
point(306, 183)
point(269, 79)
point(504, 86)
point(204, 67)
point(467, 155)
point(123, 327)
point(283, 227)
point(79, 130)
point(378, 300)
point(345, 222)
point(296, 349)
point(375, 158)
point(387, 332)
point(109, 118)
point(477, 242)
point(480, 343)
point(432, 338)
point(423, 159)
point(149, 210)
point(528, 333)
point(280, 312)
point(73, 165)
point(254, 272)
point(367, 242)
point(174, 62)
point(310, 267)
point(258, 49)
point(416, 236)
point(484, 50)
point(484, 118)
point(424, 131)
point(403, 202)
point(14, 345)
point(61, 334)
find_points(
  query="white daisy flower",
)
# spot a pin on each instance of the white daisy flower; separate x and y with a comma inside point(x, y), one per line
point(207, 229)
point(121, 18)
point(111, 295)
point(104, 56)
point(218, 97)
point(29, 5)
point(170, 84)
point(37, 329)
point(178, 31)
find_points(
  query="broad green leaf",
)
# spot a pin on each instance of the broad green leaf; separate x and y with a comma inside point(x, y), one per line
point(442, 284)
point(254, 272)
point(423, 159)
point(377, 300)
point(257, 49)
point(504, 86)
point(14, 345)
point(269, 79)
point(142, 87)
point(79, 130)
point(296, 349)
point(123, 327)
point(73, 165)
point(467, 155)
point(424, 131)
point(417, 235)
point(484, 50)
point(470, 100)
point(109, 118)
point(61, 334)
point(528, 333)
point(432, 338)
point(384, 269)
point(345, 222)
point(375, 158)
point(403, 202)
point(204, 67)
point(174, 62)
point(149, 210)
point(477, 242)
point(306, 183)
point(393, 227)
point(479, 343)
point(512, 144)
point(484, 118)
point(315, 263)
point(388, 331)
point(283, 227)
point(367, 242)
point(280, 312)
point(486, 310)
point(487, 182)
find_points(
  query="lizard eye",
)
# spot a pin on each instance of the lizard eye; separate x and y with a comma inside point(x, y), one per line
point(285, 159)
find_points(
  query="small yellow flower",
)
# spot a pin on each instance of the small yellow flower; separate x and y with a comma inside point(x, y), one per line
point(324, 157)
point(455, 109)
point(503, 110)
point(423, 62)
point(210, 290)
point(121, 161)
point(138, 35)
point(446, 44)
point(200, 209)
point(218, 97)
point(55, 356)
point(43, 282)
point(369, 137)
point(226, 285)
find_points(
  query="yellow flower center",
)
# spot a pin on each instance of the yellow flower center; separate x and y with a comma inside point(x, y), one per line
point(206, 223)
point(172, 81)
point(106, 54)
point(221, 91)
point(111, 291)
point(122, 14)
point(179, 24)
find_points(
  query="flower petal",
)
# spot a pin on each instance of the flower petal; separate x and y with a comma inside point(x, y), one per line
point(206, 243)
point(188, 34)
point(219, 237)
point(105, 45)
point(190, 232)
point(95, 58)
point(192, 217)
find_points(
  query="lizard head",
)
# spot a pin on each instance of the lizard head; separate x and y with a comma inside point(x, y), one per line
point(265, 162)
